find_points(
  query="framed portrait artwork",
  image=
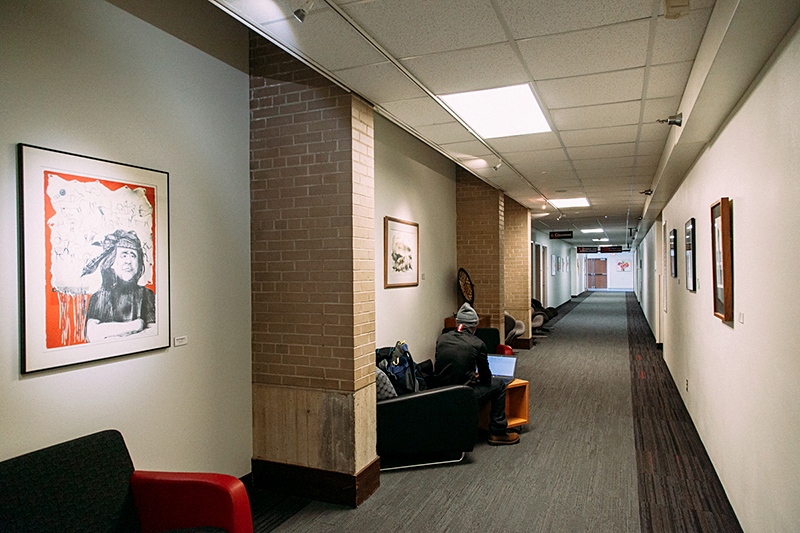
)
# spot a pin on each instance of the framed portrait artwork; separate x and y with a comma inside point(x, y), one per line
point(673, 253)
point(400, 253)
point(690, 259)
point(722, 259)
point(94, 243)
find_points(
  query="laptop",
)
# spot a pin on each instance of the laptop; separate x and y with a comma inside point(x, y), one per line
point(502, 367)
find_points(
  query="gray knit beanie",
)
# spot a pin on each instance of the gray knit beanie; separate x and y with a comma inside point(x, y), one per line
point(467, 316)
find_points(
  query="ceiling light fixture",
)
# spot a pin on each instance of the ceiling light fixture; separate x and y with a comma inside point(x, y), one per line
point(604, 239)
point(497, 166)
point(500, 112)
point(569, 202)
point(595, 230)
point(300, 13)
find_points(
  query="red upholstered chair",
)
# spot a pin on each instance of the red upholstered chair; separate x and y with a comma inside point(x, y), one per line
point(179, 500)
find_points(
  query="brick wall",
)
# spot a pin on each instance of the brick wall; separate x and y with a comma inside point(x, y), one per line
point(518, 262)
point(480, 242)
point(312, 268)
point(312, 239)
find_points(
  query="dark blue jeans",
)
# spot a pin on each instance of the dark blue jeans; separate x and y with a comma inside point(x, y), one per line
point(494, 392)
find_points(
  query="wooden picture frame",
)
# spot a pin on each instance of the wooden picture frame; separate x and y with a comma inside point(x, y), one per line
point(689, 232)
point(94, 248)
point(400, 253)
point(673, 253)
point(722, 259)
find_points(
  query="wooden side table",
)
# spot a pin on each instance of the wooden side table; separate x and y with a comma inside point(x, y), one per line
point(517, 411)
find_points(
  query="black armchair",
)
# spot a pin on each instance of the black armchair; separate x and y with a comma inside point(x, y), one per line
point(428, 427)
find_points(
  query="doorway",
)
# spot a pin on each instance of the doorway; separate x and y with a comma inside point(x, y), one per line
point(596, 274)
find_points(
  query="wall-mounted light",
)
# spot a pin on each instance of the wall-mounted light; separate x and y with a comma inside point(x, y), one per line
point(300, 13)
point(673, 120)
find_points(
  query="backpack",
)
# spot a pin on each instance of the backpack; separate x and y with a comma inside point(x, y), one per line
point(398, 364)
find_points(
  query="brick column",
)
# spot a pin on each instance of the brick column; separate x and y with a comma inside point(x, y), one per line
point(518, 267)
point(313, 287)
point(480, 240)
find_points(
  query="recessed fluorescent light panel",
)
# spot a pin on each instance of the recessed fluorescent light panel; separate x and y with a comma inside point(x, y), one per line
point(595, 230)
point(501, 112)
point(569, 202)
point(604, 239)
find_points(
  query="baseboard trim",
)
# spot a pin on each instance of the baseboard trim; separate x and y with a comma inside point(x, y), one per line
point(316, 484)
point(522, 344)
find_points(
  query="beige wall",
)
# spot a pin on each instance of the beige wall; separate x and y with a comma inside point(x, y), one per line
point(743, 376)
point(88, 78)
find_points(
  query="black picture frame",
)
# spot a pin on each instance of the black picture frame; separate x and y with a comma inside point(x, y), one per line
point(85, 224)
point(673, 253)
point(691, 266)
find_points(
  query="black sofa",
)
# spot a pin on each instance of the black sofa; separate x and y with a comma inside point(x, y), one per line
point(428, 427)
point(89, 484)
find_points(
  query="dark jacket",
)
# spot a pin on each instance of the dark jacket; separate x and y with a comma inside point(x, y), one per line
point(458, 355)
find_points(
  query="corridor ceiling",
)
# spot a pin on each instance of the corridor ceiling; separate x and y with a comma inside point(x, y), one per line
point(603, 71)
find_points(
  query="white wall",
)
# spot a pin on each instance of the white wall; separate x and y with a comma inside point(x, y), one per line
point(83, 76)
point(617, 280)
point(415, 183)
point(649, 267)
point(743, 376)
point(559, 286)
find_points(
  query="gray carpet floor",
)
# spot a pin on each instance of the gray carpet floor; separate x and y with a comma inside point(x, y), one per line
point(574, 469)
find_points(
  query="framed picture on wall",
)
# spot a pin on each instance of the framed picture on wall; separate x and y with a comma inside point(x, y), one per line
point(673, 253)
point(400, 253)
point(95, 250)
point(722, 259)
point(690, 260)
point(553, 265)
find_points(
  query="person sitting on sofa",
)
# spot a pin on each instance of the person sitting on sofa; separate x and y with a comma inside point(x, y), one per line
point(458, 354)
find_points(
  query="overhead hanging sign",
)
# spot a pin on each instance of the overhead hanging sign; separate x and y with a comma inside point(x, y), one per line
point(587, 249)
point(560, 234)
point(610, 249)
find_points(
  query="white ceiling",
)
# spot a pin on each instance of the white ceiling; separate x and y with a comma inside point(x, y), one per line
point(603, 71)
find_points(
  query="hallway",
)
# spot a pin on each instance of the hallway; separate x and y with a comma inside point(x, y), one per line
point(595, 417)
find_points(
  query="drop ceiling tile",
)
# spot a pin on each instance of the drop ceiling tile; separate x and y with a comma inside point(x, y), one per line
point(596, 116)
point(538, 156)
point(650, 148)
point(668, 80)
point(678, 39)
point(467, 150)
point(601, 151)
point(611, 162)
point(445, 133)
point(654, 132)
point(533, 168)
point(593, 174)
point(380, 83)
point(616, 134)
point(525, 143)
point(420, 27)
point(325, 38)
point(455, 71)
point(617, 47)
point(418, 112)
point(593, 89)
point(529, 18)
point(660, 108)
